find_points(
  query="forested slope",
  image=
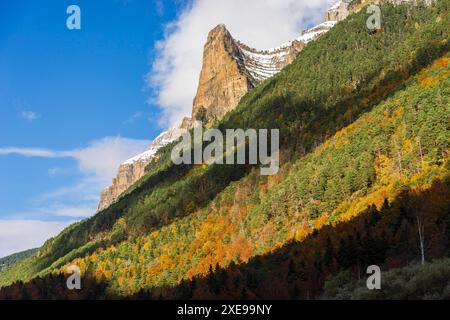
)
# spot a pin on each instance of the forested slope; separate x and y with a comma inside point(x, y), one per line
point(5, 262)
point(363, 118)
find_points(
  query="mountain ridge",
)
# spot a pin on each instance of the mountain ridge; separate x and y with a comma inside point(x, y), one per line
point(221, 86)
point(180, 221)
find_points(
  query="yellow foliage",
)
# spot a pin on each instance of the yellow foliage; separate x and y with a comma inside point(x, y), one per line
point(107, 274)
point(93, 257)
point(341, 142)
point(441, 70)
point(121, 222)
point(383, 169)
point(146, 246)
point(407, 146)
point(302, 232)
point(321, 221)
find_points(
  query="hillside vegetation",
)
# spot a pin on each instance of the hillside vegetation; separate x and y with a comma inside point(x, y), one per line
point(430, 282)
point(364, 130)
point(5, 262)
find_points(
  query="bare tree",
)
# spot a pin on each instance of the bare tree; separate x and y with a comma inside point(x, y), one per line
point(415, 205)
point(421, 231)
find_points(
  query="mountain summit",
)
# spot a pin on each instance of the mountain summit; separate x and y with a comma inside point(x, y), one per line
point(230, 69)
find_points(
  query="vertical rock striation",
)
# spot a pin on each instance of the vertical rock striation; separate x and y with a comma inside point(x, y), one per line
point(223, 79)
point(230, 69)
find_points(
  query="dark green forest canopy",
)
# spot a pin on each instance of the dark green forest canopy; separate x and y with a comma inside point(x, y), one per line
point(333, 81)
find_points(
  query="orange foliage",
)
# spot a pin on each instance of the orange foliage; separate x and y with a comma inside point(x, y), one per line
point(440, 69)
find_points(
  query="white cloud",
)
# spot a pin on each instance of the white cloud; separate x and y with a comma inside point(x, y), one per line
point(258, 23)
point(103, 157)
point(81, 211)
point(98, 164)
point(19, 235)
point(100, 159)
point(30, 116)
point(31, 152)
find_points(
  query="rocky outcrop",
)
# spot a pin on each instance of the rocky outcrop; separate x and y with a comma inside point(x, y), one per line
point(223, 80)
point(339, 11)
point(135, 168)
point(230, 69)
point(127, 175)
point(186, 123)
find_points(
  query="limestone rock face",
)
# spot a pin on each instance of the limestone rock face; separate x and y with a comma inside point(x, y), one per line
point(223, 80)
point(186, 123)
point(135, 168)
point(357, 6)
point(339, 11)
point(230, 69)
point(127, 175)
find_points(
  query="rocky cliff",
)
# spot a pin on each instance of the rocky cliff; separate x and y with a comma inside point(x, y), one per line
point(133, 169)
point(339, 11)
point(127, 175)
point(223, 79)
point(230, 69)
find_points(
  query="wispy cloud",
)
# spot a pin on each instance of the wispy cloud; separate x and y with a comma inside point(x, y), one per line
point(97, 165)
point(61, 210)
point(135, 116)
point(85, 189)
point(100, 158)
point(33, 152)
point(54, 171)
point(29, 116)
point(159, 7)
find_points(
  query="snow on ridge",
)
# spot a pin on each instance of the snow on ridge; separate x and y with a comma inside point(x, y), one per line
point(160, 141)
point(263, 64)
point(335, 6)
point(146, 155)
point(315, 31)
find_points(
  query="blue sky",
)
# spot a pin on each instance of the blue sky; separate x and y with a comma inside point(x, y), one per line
point(66, 89)
point(74, 104)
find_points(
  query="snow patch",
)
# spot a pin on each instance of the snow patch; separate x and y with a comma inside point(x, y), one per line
point(263, 64)
point(160, 141)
